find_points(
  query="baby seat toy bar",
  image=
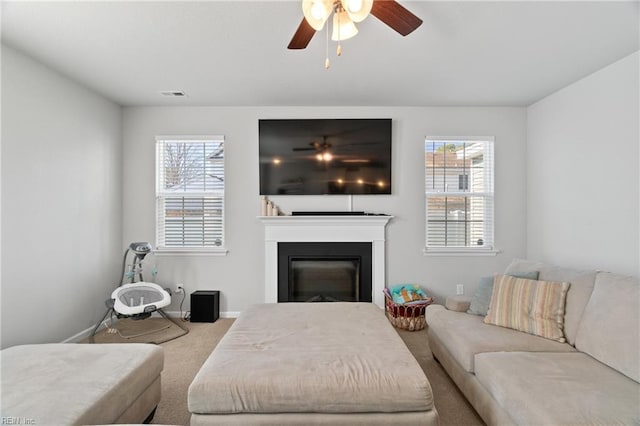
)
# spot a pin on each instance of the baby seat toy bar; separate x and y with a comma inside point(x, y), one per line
point(138, 300)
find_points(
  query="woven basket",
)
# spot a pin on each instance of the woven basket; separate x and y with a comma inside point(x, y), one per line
point(407, 317)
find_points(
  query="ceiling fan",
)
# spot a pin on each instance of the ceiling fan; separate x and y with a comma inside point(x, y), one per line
point(317, 12)
point(322, 149)
point(315, 146)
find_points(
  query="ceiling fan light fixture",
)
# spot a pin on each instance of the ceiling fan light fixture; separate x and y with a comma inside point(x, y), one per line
point(343, 26)
point(316, 12)
point(357, 10)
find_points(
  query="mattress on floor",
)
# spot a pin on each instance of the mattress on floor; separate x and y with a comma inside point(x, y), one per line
point(311, 358)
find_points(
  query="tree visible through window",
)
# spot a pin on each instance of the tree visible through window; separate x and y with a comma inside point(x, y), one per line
point(190, 192)
point(459, 193)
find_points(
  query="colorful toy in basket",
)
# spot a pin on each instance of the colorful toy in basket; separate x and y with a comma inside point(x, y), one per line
point(407, 293)
point(405, 305)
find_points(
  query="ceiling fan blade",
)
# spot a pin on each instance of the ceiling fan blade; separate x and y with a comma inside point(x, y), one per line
point(303, 36)
point(396, 16)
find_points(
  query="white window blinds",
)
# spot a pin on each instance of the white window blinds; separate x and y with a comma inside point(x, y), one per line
point(459, 193)
point(190, 192)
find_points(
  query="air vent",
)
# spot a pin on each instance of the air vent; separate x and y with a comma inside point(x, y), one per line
point(174, 93)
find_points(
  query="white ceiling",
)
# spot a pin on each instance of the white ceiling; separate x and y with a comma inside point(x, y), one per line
point(233, 53)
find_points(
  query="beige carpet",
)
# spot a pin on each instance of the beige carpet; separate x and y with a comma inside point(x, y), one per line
point(184, 357)
point(452, 406)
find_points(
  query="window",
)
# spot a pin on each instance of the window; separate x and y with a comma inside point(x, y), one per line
point(190, 193)
point(459, 195)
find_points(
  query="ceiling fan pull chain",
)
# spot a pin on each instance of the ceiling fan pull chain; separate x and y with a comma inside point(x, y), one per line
point(339, 48)
point(327, 63)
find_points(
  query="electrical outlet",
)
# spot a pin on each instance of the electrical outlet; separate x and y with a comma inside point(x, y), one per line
point(179, 289)
point(460, 289)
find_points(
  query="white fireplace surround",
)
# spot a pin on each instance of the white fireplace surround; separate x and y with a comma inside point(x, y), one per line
point(294, 229)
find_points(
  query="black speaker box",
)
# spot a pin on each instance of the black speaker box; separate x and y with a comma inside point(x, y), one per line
point(205, 306)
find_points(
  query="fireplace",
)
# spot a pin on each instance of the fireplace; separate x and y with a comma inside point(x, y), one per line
point(327, 229)
point(324, 272)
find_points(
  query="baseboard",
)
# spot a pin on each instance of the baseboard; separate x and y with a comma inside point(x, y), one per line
point(84, 334)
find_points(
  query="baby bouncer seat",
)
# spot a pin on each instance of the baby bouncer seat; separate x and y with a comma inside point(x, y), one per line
point(138, 300)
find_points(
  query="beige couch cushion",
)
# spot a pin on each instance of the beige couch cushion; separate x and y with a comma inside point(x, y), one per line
point(466, 335)
point(310, 357)
point(610, 327)
point(581, 281)
point(534, 307)
point(559, 389)
point(69, 383)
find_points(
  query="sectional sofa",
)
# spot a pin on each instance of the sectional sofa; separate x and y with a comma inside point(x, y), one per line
point(514, 377)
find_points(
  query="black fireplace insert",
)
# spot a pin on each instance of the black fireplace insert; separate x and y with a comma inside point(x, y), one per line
point(324, 272)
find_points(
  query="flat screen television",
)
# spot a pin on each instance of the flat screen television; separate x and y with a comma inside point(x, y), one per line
point(325, 156)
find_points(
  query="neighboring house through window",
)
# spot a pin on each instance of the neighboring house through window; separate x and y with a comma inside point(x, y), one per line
point(190, 193)
point(459, 195)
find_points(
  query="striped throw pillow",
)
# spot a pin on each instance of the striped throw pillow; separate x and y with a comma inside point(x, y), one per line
point(534, 307)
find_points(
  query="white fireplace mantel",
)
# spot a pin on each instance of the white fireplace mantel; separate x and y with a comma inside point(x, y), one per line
point(325, 229)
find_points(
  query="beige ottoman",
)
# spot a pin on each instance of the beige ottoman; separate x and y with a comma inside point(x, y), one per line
point(311, 364)
point(80, 383)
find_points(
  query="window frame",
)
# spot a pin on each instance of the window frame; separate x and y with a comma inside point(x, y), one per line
point(485, 250)
point(208, 250)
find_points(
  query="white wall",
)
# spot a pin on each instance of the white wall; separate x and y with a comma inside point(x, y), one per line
point(582, 180)
point(61, 203)
point(239, 275)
